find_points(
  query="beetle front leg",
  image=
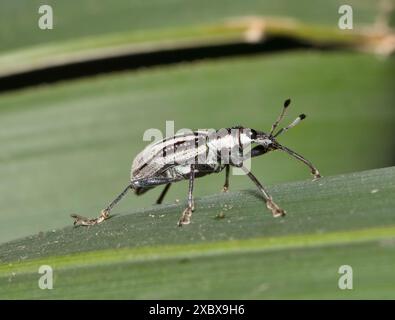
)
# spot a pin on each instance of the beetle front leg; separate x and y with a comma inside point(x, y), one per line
point(226, 184)
point(187, 213)
point(314, 170)
point(270, 204)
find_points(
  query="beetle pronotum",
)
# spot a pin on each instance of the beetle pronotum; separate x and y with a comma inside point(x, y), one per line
point(180, 158)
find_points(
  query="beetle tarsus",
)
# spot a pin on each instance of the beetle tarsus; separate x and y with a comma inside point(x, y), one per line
point(226, 184)
point(185, 217)
point(316, 175)
point(82, 221)
point(275, 209)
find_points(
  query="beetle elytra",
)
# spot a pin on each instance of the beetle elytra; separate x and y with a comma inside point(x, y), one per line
point(196, 154)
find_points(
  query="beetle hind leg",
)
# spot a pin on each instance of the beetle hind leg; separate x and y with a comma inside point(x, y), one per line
point(104, 214)
point(163, 193)
point(82, 221)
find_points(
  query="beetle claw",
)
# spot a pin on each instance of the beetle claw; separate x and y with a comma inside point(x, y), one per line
point(185, 217)
point(82, 221)
point(275, 209)
point(316, 175)
point(278, 213)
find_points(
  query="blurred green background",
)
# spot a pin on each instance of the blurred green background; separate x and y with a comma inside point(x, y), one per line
point(67, 147)
point(18, 19)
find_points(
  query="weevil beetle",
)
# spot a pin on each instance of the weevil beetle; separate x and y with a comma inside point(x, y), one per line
point(169, 161)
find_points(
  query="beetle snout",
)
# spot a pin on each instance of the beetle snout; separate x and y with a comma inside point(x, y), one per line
point(265, 142)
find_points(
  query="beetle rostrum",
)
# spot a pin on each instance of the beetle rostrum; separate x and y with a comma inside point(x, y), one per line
point(189, 156)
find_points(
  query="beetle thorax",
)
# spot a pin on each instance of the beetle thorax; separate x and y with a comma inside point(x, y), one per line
point(236, 138)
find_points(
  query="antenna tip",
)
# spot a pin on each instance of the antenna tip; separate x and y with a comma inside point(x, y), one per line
point(287, 103)
point(302, 116)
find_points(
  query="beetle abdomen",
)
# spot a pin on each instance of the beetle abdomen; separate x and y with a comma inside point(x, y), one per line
point(168, 152)
point(172, 156)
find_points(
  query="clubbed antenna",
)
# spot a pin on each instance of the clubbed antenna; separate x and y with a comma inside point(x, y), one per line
point(291, 125)
point(276, 123)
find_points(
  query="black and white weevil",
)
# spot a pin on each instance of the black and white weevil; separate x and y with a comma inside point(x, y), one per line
point(181, 158)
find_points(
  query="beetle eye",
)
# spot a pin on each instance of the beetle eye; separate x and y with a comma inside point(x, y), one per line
point(253, 134)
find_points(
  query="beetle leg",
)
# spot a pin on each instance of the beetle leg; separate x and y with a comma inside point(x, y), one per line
point(82, 221)
point(226, 184)
point(151, 182)
point(187, 213)
point(105, 213)
point(314, 170)
point(140, 191)
point(163, 193)
point(270, 204)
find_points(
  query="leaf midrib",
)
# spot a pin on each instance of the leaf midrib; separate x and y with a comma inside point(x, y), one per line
point(153, 253)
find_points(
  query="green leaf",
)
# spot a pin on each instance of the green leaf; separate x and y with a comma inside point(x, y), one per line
point(92, 18)
point(67, 148)
point(335, 221)
point(233, 31)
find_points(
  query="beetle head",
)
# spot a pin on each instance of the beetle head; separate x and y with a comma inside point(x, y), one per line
point(269, 140)
point(264, 139)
